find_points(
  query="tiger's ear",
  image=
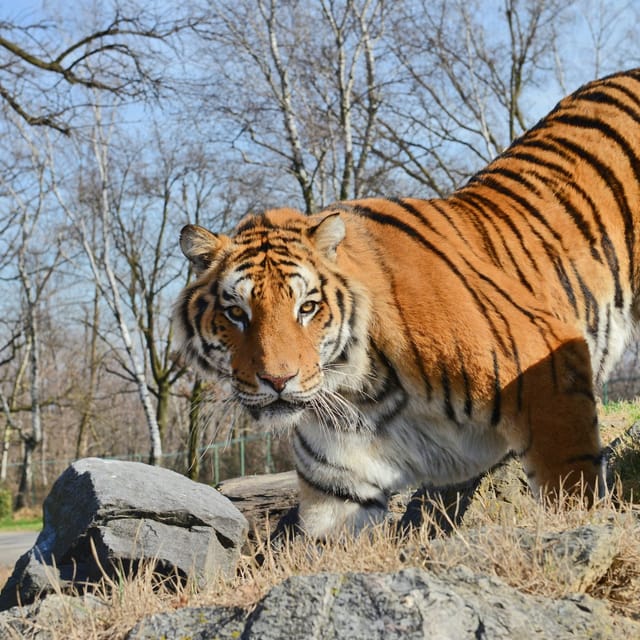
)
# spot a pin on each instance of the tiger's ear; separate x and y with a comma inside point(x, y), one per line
point(201, 246)
point(328, 235)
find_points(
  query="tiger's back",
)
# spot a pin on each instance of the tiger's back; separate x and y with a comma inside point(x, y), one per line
point(406, 341)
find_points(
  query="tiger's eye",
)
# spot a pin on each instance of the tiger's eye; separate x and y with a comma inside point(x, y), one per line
point(308, 307)
point(236, 313)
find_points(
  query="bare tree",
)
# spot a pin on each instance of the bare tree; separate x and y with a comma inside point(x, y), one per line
point(613, 28)
point(464, 97)
point(311, 108)
point(110, 49)
point(35, 262)
point(11, 351)
point(158, 199)
point(105, 279)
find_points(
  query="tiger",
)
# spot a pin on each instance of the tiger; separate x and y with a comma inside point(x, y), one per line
point(403, 341)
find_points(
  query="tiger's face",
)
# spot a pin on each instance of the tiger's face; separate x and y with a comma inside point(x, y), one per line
point(268, 312)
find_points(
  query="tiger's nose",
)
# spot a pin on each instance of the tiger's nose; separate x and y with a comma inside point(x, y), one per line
point(277, 383)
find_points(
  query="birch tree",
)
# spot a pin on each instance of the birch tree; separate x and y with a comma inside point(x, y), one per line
point(102, 271)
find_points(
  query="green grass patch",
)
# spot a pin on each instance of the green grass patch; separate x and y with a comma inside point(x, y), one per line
point(629, 409)
point(20, 524)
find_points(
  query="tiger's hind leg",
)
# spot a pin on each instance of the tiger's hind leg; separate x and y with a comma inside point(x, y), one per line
point(563, 452)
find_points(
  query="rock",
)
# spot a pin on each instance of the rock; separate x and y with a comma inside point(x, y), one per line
point(581, 556)
point(409, 604)
point(101, 515)
point(41, 619)
point(194, 623)
point(577, 558)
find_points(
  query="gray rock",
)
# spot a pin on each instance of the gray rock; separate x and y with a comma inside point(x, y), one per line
point(194, 623)
point(409, 604)
point(107, 515)
point(581, 556)
point(42, 619)
point(577, 557)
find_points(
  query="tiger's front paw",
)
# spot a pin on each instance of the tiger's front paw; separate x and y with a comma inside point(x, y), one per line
point(328, 517)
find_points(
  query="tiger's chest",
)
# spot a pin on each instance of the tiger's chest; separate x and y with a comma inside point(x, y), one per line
point(400, 440)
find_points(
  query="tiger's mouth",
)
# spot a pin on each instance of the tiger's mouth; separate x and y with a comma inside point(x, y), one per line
point(279, 408)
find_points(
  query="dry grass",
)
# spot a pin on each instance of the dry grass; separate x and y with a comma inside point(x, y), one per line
point(495, 548)
point(490, 540)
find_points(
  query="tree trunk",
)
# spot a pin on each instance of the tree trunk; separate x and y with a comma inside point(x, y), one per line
point(8, 406)
point(193, 461)
point(33, 440)
point(162, 407)
point(111, 290)
point(86, 420)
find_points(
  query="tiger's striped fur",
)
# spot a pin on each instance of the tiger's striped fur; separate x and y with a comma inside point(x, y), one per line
point(407, 341)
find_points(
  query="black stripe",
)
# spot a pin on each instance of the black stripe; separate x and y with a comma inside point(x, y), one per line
point(442, 210)
point(209, 347)
point(340, 341)
point(591, 308)
point(615, 186)
point(477, 218)
point(549, 250)
point(341, 492)
point(580, 222)
point(497, 391)
point(500, 187)
point(607, 246)
point(633, 96)
point(474, 203)
point(319, 457)
point(390, 385)
point(245, 266)
point(185, 315)
point(202, 305)
point(478, 200)
point(550, 180)
point(588, 457)
point(605, 349)
point(563, 277)
point(468, 399)
point(446, 390)
point(388, 220)
point(416, 213)
point(418, 360)
point(605, 97)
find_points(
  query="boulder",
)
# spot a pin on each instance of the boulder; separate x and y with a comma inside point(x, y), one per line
point(41, 620)
point(578, 558)
point(105, 516)
point(412, 603)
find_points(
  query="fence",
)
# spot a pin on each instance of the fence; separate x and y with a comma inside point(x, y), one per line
point(216, 449)
point(629, 387)
point(247, 454)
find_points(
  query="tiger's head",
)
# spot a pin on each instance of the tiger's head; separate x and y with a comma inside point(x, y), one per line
point(271, 313)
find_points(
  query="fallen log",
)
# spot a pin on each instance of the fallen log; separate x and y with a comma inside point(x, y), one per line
point(263, 499)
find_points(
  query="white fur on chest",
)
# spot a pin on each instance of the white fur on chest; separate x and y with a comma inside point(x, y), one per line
point(417, 446)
